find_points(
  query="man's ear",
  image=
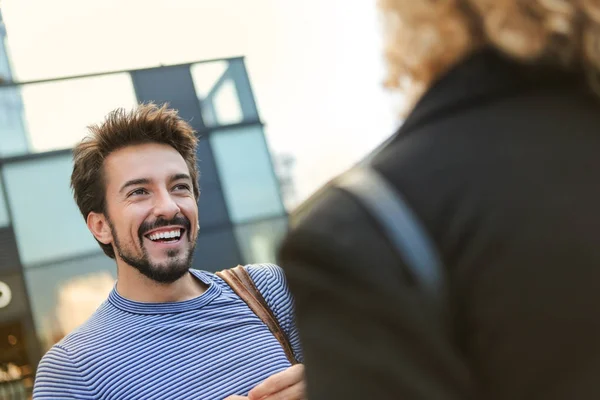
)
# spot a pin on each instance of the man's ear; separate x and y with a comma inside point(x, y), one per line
point(100, 228)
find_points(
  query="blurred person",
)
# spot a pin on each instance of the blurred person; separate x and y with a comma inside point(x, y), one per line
point(166, 331)
point(499, 162)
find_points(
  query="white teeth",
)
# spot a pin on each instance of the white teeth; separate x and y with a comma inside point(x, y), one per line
point(165, 235)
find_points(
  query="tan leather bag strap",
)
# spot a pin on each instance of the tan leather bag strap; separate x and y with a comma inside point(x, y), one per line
point(241, 283)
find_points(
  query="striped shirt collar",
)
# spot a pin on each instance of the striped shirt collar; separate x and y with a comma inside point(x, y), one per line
point(136, 307)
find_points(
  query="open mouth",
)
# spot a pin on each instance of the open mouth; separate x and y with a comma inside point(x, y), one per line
point(168, 236)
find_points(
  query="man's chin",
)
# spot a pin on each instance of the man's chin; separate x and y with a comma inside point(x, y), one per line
point(166, 274)
point(162, 267)
point(165, 269)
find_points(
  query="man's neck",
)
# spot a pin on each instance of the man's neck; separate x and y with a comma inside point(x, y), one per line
point(135, 286)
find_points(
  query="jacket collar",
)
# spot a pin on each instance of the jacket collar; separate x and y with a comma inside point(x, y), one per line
point(482, 77)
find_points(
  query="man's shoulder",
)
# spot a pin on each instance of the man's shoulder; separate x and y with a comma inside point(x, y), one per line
point(64, 355)
point(270, 281)
point(64, 368)
point(265, 276)
point(265, 272)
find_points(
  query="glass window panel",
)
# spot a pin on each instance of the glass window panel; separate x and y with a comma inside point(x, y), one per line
point(64, 295)
point(237, 71)
point(57, 113)
point(5, 73)
point(211, 207)
point(206, 75)
point(5, 67)
point(13, 139)
point(259, 241)
point(46, 220)
point(4, 218)
point(216, 249)
point(216, 90)
point(249, 184)
point(13, 136)
point(227, 104)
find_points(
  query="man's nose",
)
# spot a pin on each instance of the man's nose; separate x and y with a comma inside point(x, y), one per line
point(165, 206)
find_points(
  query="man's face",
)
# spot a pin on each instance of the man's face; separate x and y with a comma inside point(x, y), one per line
point(151, 210)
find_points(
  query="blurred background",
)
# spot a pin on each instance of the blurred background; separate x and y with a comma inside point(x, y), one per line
point(284, 95)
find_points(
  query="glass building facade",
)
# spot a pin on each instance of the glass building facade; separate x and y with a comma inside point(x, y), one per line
point(53, 274)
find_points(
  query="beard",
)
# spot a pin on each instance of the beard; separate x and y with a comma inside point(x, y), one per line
point(179, 261)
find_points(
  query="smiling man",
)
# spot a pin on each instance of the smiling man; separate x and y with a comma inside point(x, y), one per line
point(166, 331)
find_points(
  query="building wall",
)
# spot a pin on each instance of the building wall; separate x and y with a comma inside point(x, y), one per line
point(12, 128)
point(54, 269)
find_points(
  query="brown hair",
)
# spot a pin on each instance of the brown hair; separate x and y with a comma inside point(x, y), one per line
point(425, 38)
point(147, 123)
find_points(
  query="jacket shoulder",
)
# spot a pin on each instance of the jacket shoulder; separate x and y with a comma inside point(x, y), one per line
point(334, 231)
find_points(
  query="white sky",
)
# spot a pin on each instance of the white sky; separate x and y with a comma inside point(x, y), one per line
point(315, 65)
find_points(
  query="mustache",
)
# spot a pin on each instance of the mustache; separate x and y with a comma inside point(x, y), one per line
point(147, 226)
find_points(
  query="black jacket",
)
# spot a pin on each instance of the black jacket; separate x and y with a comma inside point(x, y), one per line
point(501, 162)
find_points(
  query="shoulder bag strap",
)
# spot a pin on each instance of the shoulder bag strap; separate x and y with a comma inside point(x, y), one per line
point(241, 283)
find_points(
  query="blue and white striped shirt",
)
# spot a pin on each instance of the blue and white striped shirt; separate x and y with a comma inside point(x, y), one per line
point(208, 347)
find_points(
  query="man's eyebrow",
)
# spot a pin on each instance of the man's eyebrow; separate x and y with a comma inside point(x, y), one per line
point(178, 177)
point(146, 181)
point(133, 182)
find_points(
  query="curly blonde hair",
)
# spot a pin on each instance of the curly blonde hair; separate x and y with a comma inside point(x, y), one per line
point(424, 38)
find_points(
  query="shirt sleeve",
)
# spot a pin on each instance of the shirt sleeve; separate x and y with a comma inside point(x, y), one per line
point(272, 284)
point(59, 378)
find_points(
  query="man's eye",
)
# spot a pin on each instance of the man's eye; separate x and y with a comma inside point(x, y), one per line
point(138, 192)
point(181, 187)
